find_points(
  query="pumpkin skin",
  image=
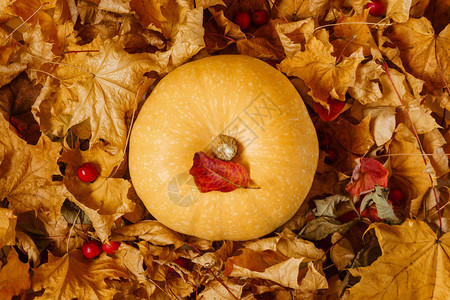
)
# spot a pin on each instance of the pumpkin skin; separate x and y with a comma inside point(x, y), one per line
point(235, 95)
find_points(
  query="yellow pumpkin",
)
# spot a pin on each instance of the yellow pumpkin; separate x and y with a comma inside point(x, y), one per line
point(235, 95)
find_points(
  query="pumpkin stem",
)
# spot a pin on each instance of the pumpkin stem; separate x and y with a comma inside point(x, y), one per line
point(224, 147)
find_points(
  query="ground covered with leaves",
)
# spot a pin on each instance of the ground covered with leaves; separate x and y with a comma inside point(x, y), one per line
point(73, 74)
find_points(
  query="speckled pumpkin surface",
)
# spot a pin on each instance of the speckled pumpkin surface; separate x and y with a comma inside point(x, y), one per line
point(241, 97)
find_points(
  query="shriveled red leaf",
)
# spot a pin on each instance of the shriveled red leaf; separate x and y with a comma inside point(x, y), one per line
point(335, 108)
point(212, 174)
point(368, 173)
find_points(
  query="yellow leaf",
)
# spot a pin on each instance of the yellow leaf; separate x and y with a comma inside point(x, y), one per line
point(293, 35)
point(286, 260)
point(14, 276)
point(26, 173)
point(27, 245)
point(382, 123)
point(355, 138)
point(367, 88)
point(98, 82)
point(398, 10)
point(354, 35)
point(151, 231)
point(321, 71)
point(302, 9)
point(414, 265)
point(7, 227)
point(73, 276)
point(407, 167)
point(420, 49)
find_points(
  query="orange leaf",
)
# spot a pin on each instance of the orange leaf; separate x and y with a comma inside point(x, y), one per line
point(212, 174)
point(368, 173)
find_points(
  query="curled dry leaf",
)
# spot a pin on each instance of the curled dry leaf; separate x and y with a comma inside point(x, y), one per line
point(290, 262)
point(212, 174)
point(26, 244)
point(368, 173)
point(151, 231)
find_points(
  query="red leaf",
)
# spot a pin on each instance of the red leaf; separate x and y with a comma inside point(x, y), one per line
point(368, 173)
point(212, 174)
point(335, 109)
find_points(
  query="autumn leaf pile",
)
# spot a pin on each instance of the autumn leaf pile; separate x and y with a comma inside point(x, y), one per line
point(73, 75)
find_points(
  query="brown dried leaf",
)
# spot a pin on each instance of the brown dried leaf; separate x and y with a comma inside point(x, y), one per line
point(420, 49)
point(73, 276)
point(407, 167)
point(321, 72)
point(293, 35)
point(367, 87)
point(151, 231)
point(104, 200)
point(14, 276)
point(25, 243)
point(7, 227)
point(97, 82)
point(355, 35)
point(433, 143)
point(342, 253)
point(296, 10)
point(27, 173)
point(411, 253)
point(354, 138)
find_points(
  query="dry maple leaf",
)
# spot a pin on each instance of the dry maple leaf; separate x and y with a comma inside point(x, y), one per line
point(301, 9)
point(322, 73)
point(98, 81)
point(14, 276)
point(423, 53)
point(350, 37)
point(105, 199)
point(414, 265)
point(407, 167)
point(26, 173)
point(73, 276)
point(354, 138)
point(7, 227)
point(212, 174)
point(293, 35)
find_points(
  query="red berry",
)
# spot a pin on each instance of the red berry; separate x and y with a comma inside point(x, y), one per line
point(242, 19)
point(87, 172)
point(260, 17)
point(91, 249)
point(396, 196)
point(377, 8)
point(111, 247)
point(332, 156)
